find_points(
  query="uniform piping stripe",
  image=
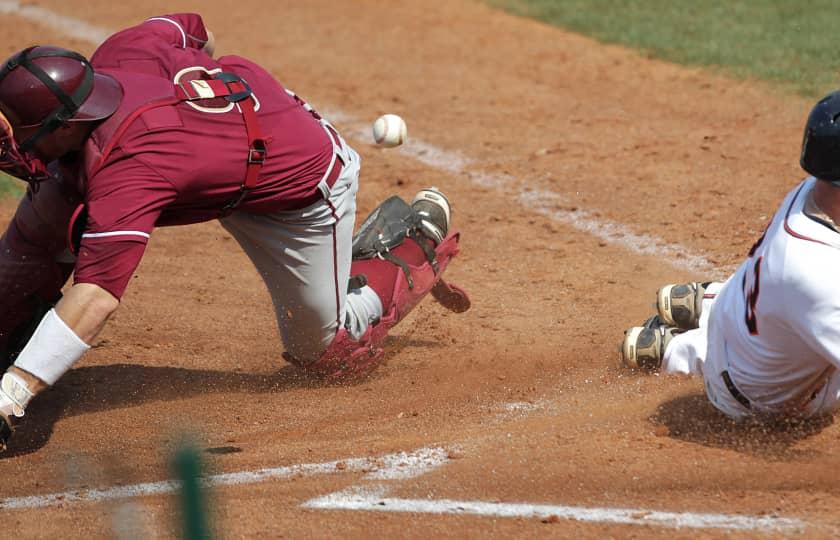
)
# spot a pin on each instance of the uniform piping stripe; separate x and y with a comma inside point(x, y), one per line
point(794, 233)
point(115, 233)
point(335, 262)
point(183, 34)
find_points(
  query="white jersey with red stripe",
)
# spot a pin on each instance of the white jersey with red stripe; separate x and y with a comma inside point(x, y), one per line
point(775, 324)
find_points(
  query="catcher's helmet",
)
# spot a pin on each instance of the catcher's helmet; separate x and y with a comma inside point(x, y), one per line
point(821, 143)
point(45, 87)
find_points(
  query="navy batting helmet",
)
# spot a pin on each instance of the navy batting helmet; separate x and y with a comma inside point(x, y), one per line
point(821, 143)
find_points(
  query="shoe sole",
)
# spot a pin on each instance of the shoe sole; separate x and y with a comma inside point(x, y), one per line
point(628, 347)
point(653, 348)
point(663, 304)
point(665, 307)
point(436, 197)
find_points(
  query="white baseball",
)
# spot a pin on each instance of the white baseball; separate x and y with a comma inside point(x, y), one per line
point(389, 130)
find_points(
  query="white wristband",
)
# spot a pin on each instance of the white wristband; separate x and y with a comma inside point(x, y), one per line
point(52, 350)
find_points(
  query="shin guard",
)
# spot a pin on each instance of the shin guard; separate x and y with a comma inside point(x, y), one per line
point(395, 255)
point(400, 289)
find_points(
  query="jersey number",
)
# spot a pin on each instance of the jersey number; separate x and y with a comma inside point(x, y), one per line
point(751, 298)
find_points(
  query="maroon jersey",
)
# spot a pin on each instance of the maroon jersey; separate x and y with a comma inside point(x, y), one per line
point(182, 163)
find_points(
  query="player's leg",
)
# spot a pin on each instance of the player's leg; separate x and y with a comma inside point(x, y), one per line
point(674, 340)
point(304, 259)
point(401, 251)
point(399, 255)
point(331, 325)
point(329, 328)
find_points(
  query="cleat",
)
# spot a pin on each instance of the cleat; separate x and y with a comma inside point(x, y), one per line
point(644, 346)
point(433, 209)
point(680, 304)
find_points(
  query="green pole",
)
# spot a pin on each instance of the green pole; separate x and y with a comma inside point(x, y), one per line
point(193, 511)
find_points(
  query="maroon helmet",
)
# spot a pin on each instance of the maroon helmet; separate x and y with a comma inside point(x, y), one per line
point(45, 87)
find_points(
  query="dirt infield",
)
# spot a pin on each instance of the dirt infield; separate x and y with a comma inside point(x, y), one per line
point(582, 177)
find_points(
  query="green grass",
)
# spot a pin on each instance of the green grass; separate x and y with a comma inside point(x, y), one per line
point(792, 43)
point(10, 187)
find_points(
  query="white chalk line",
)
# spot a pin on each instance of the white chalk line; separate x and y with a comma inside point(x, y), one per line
point(398, 466)
point(545, 203)
point(401, 466)
point(68, 26)
point(548, 204)
point(373, 500)
point(523, 407)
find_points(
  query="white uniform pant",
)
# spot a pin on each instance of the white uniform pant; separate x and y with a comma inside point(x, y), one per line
point(687, 352)
point(304, 257)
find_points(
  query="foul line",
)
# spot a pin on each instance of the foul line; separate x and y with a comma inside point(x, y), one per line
point(68, 26)
point(402, 466)
point(398, 466)
point(371, 500)
point(545, 203)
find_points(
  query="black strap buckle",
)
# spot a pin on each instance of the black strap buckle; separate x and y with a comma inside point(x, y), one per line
point(230, 78)
point(233, 203)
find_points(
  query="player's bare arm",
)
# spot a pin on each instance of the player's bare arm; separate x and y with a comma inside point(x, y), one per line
point(85, 309)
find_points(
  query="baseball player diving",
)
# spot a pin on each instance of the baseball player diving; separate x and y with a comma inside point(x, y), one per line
point(154, 131)
point(767, 341)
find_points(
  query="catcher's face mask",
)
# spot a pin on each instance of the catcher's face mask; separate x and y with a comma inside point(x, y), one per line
point(16, 162)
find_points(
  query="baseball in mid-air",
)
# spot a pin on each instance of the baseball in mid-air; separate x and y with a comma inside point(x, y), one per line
point(389, 130)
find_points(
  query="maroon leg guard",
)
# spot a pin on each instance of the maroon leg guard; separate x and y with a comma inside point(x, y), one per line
point(30, 276)
point(347, 358)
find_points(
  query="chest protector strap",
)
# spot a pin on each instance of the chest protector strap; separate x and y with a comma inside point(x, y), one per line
point(223, 85)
